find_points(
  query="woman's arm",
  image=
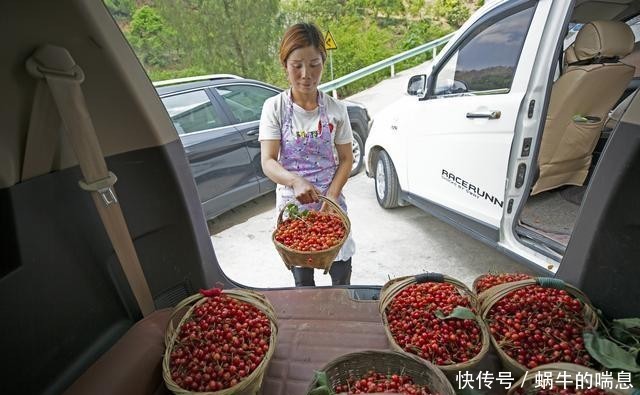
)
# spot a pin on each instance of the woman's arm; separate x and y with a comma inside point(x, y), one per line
point(303, 190)
point(345, 157)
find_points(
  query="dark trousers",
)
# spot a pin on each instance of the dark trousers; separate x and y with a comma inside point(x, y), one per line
point(340, 274)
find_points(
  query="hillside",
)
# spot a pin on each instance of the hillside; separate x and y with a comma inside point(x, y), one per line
point(179, 38)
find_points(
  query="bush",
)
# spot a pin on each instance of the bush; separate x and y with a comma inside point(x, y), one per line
point(360, 43)
point(454, 11)
point(150, 37)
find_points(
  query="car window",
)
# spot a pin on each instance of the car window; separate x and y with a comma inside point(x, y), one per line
point(245, 101)
point(192, 112)
point(486, 63)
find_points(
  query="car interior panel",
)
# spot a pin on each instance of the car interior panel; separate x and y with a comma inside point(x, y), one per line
point(75, 276)
point(60, 278)
point(602, 257)
point(580, 102)
point(71, 323)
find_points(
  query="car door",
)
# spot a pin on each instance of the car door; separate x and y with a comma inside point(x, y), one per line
point(216, 151)
point(243, 103)
point(458, 156)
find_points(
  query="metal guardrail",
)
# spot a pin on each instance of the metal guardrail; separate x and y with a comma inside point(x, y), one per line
point(389, 62)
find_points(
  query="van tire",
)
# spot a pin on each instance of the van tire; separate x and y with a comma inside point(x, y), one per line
point(387, 186)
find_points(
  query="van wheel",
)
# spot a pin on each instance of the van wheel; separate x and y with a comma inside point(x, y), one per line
point(387, 186)
point(357, 147)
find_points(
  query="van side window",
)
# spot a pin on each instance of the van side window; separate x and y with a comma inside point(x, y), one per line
point(245, 101)
point(486, 63)
point(192, 112)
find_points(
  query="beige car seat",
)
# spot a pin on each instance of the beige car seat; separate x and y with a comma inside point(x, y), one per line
point(580, 101)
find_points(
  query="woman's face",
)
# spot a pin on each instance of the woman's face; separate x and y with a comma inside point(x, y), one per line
point(304, 69)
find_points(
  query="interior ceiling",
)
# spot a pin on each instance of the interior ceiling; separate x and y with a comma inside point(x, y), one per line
point(591, 10)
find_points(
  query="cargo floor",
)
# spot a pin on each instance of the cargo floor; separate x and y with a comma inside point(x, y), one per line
point(316, 325)
point(320, 324)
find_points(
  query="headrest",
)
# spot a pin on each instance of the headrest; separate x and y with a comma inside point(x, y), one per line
point(570, 55)
point(604, 39)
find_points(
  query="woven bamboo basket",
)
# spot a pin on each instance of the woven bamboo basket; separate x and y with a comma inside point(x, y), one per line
point(496, 293)
point(249, 385)
point(395, 286)
point(313, 259)
point(527, 383)
point(483, 295)
point(357, 364)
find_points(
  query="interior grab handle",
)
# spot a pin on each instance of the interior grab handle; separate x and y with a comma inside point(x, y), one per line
point(489, 114)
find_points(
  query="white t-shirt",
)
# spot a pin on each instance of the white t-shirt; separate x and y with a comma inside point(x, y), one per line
point(303, 120)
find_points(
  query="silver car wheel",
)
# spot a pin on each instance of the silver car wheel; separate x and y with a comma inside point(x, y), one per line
point(355, 148)
point(380, 180)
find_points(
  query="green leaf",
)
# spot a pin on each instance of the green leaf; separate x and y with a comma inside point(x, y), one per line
point(628, 323)
point(635, 380)
point(625, 336)
point(458, 312)
point(626, 331)
point(468, 391)
point(292, 210)
point(321, 384)
point(609, 354)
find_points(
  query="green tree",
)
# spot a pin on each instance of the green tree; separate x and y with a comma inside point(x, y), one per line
point(318, 10)
point(151, 38)
point(120, 9)
point(454, 11)
point(416, 8)
point(360, 43)
point(386, 7)
point(366, 32)
point(423, 31)
point(226, 36)
point(180, 38)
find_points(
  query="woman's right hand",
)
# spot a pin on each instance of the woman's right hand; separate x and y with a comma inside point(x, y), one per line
point(304, 191)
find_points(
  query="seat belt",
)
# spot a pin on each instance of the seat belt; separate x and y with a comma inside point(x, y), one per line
point(41, 142)
point(59, 84)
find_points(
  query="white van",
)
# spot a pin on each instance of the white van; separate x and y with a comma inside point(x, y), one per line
point(501, 141)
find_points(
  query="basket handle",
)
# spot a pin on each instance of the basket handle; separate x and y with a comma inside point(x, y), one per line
point(551, 282)
point(336, 207)
point(171, 327)
point(430, 277)
point(280, 215)
point(331, 203)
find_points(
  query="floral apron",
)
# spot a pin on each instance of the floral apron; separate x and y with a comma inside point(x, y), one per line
point(309, 154)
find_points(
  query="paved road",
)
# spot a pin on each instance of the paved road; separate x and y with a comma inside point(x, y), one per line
point(390, 243)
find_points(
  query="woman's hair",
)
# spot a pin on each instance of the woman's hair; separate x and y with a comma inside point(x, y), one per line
point(301, 35)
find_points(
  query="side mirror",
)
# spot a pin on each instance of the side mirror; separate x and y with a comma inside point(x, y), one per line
point(417, 85)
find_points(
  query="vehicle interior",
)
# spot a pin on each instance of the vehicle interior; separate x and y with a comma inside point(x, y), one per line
point(73, 324)
point(597, 72)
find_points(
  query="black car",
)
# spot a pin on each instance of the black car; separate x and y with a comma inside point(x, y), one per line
point(217, 118)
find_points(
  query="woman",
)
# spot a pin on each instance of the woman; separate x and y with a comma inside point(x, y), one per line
point(305, 138)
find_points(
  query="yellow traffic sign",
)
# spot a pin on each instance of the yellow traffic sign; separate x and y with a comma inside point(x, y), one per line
point(329, 42)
